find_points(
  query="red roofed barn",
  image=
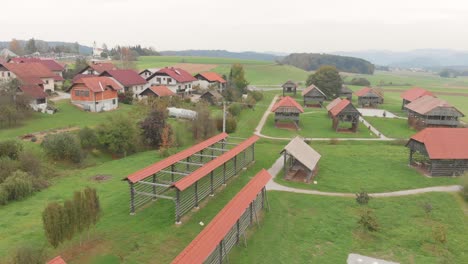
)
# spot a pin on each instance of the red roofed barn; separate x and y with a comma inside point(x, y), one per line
point(445, 150)
point(176, 79)
point(369, 97)
point(287, 109)
point(210, 79)
point(427, 111)
point(95, 94)
point(344, 111)
point(412, 94)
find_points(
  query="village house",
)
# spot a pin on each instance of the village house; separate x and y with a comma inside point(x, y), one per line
point(30, 74)
point(146, 73)
point(51, 64)
point(429, 111)
point(300, 161)
point(95, 94)
point(345, 92)
point(313, 96)
point(213, 97)
point(287, 109)
point(344, 111)
point(36, 95)
point(368, 96)
point(208, 80)
point(289, 87)
point(128, 79)
point(96, 68)
point(444, 151)
point(157, 91)
point(176, 79)
point(412, 94)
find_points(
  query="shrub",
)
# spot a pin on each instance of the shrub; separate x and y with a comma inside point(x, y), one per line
point(7, 167)
point(18, 186)
point(427, 207)
point(360, 82)
point(88, 138)
point(63, 146)
point(29, 255)
point(368, 221)
point(3, 196)
point(30, 163)
point(126, 98)
point(231, 124)
point(362, 198)
point(257, 95)
point(119, 135)
point(10, 148)
point(235, 109)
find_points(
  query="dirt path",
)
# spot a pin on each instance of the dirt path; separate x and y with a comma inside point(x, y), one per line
point(42, 134)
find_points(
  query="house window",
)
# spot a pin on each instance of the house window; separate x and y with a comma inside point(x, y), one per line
point(8, 73)
point(3, 74)
point(77, 93)
point(158, 80)
point(190, 85)
point(86, 93)
point(113, 101)
point(47, 81)
point(169, 80)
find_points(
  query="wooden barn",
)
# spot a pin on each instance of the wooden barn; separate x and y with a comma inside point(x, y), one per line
point(368, 96)
point(332, 104)
point(213, 97)
point(313, 96)
point(429, 111)
point(345, 92)
point(289, 87)
point(287, 109)
point(344, 111)
point(444, 151)
point(300, 161)
point(412, 94)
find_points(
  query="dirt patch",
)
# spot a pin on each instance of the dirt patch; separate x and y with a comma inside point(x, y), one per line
point(101, 177)
point(287, 126)
point(38, 137)
point(193, 68)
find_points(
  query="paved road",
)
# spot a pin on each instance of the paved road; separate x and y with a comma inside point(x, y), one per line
point(61, 96)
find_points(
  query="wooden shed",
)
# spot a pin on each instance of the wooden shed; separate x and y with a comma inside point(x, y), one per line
point(289, 87)
point(300, 161)
point(344, 111)
point(429, 111)
point(332, 104)
point(212, 96)
point(368, 96)
point(412, 94)
point(345, 92)
point(444, 151)
point(313, 96)
point(287, 109)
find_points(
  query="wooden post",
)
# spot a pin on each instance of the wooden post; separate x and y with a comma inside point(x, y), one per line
point(224, 173)
point(251, 212)
point(178, 207)
point(154, 186)
point(211, 182)
point(221, 252)
point(172, 174)
point(132, 199)
point(253, 151)
point(263, 197)
point(410, 157)
point(196, 195)
point(285, 166)
point(238, 231)
point(235, 165)
point(188, 165)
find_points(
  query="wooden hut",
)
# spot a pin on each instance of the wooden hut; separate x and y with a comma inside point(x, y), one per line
point(332, 104)
point(212, 96)
point(345, 92)
point(313, 96)
point(412, 94)
point(289, 87)
point(444, 151)
point(430, 111)
point(344, 111)
point(300, 161)
point(368, 96)
point(287, 109)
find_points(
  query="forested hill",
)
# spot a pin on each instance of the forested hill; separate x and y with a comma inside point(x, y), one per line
point(247, 55)
point(313, 61)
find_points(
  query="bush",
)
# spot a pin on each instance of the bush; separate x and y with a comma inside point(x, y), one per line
point(63, 146)
point(88, 138)
point(362, 198)
point(29, 163)
point(7, 167)
point(3, 196)
point(18, 186)
point(360, 82)
point(119, 135)
point(29, 255)
point(257, 95)
point(231, 124)
point(235, 109)
point(10, 148)
point(126, 98)
point(368, 221)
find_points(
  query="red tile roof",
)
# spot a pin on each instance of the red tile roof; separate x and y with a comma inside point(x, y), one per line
point(203, 171)
point(51, 64)
point(79, 76)
point(57, 260)
point(287, 102)
point(125, 77)
point(97, 83)
point(414, 93)
point(427, 103)
point(212, 77)
point(339, 107)
point(210, 237)
point(30, 72)
point(100, 67)
point(158, 166)
point(175, 73)
point(310, 88)
point(33, 91)
point(367, 90)
point(444, 143)
point(333, 103)
point(161, 90)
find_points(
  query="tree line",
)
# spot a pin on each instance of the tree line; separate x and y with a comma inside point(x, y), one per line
point(313, 61)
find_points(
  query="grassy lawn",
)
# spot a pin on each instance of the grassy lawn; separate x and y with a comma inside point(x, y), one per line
point(372, 166)
point(313, 229)
point(161, 61)
point(67, 116)
point(392, 127)
point(313, 124)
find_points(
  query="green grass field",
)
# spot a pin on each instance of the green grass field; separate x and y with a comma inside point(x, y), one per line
point(392, 127)
point(373, 166)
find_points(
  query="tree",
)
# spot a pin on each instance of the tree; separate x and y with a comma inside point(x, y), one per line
point(30, 46)
point(154, 126)
point(119, 135)
point(88, 138)
point(204, 125)
point(327, 79)
point(16, 47)
point(52, 219)
point(237, 78)
point(127, 57)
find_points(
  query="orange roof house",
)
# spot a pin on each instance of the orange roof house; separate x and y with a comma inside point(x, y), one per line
point(157, 91)
point(96, 68)
point(445, 148)
point(209, 79)
point(31, 73)
point(412, 94)
point(95, 94)
point(176, 79)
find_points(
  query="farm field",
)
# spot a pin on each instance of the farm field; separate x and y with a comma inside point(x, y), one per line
point(350, 166)
point(392, 127)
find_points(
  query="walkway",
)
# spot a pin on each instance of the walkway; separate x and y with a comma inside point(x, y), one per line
point(60, 96)
point(278, 165)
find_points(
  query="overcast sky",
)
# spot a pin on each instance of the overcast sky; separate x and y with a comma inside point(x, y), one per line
point(240, 25)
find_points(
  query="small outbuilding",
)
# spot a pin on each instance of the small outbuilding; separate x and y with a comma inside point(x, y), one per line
point(344, 111)
point(300, 161)
point(412, 94)
point(442, 151)
point(368, 96)
point(289, 87)
point(157, 91)
point(287, 109)
point(213, 97)
point(345, 92)
point(313, 96)
point(332, 104)
point(429, 111)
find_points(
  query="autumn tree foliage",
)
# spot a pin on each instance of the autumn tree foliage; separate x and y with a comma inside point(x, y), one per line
point(204, 126)
point(15, 47)
point(156, 131)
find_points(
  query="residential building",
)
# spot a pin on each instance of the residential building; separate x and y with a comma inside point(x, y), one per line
point(128, 79)
point(95, 94)
point(208, 80)
point(30, 74)
point(176, 79)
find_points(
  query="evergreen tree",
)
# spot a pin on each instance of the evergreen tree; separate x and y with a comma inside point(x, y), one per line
point(30, 46)
point(237, 78)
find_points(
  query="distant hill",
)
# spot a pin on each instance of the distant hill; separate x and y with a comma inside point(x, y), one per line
point(85, 50)
point(247, 55)
point(423, 58)
point(312, 61)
